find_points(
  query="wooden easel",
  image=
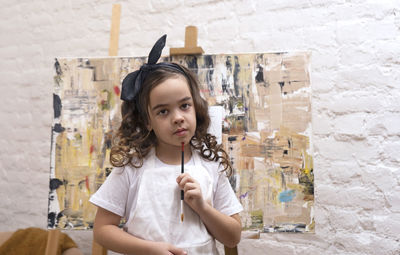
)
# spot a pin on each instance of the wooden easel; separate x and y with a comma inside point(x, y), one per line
point(53, 238)
point(191, 47)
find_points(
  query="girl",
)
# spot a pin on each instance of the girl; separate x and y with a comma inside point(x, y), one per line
point(162, 110)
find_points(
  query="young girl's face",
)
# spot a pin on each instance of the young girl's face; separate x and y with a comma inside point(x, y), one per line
point(172, 116)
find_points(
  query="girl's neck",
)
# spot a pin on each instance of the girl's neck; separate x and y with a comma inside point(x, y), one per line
point(173, 156)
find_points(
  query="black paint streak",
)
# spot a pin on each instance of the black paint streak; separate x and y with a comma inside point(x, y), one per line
point(224, 85)
point(260, 74)
point(81, 184)
point(57, 66)
point(230, 104)
point(228, 63)
point(236, 76)
point(293, 228)
point(232, 138)
point(192, 64)
point(58, 128)
point(210, 71)
point(281, 84)
point(55, 184)
point(51, 220)
point(57, 106)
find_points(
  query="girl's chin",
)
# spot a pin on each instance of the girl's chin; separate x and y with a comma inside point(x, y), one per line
point(184, 141)
point(174, 143)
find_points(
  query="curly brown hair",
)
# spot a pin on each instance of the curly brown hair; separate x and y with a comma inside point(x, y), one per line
point(133, 141)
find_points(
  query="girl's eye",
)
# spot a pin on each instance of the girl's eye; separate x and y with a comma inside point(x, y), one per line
point(162, 112)
point(185, 106)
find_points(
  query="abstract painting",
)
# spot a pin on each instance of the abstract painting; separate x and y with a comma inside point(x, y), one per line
point(265, 121)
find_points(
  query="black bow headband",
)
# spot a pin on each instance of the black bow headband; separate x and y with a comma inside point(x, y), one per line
point(133, 82)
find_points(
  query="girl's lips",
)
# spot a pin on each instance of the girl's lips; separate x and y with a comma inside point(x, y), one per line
point(181, 132)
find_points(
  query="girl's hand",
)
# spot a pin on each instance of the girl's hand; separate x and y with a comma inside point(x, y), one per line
point(160, 248)
point(192, 191)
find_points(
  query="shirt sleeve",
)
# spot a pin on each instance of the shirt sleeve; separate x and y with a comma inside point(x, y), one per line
point(113, 193)
point(225, 199)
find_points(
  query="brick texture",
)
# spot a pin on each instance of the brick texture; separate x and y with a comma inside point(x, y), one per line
point(355, 74)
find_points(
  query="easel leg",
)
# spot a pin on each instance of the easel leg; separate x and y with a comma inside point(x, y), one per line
point(231, 251)
point(53, 237)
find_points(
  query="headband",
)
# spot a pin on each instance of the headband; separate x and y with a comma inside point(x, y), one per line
point(132, 83)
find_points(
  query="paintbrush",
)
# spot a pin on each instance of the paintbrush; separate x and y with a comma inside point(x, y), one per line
point(182, 171)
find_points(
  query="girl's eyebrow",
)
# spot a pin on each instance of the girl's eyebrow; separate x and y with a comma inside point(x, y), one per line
point(185, 99)
point(164, 105)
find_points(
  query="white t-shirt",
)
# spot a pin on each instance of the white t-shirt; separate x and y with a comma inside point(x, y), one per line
point(118, 193)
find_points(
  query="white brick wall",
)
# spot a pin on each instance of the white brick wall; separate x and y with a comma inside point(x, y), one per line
point(355, 74)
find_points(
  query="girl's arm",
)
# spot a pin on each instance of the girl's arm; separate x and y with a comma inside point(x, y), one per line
point(107, 233)
point(226, 229)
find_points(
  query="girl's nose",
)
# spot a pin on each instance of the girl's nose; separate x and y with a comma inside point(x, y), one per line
point(178, 118)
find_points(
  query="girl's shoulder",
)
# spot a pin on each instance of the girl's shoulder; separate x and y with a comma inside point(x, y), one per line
point(137, 163)
point(212, 166)
point(132, 170)
point(126, 171)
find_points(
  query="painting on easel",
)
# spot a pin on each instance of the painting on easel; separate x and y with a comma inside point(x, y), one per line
point(266, 130)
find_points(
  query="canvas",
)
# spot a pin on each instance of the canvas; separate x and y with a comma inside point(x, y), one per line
point(265, 121)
